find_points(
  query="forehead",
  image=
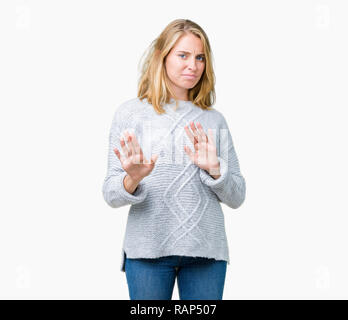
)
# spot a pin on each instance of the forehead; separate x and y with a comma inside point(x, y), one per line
point(188, 52)
point(189, 43)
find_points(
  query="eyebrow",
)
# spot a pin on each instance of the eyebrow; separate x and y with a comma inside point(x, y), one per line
point(201, 54)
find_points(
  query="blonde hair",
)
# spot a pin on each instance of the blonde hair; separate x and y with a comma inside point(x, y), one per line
point(153, 82)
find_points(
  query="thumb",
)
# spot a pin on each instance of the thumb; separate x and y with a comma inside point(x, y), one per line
point(154, 158)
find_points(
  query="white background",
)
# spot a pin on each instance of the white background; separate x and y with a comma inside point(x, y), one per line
point(282, 80)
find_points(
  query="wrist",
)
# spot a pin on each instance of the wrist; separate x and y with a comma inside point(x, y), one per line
point(134, 179)
point(215, 176)
point(130, 184)
point(215, 171)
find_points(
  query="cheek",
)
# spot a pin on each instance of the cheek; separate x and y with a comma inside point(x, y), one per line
point(179, 69)
point(176, 67)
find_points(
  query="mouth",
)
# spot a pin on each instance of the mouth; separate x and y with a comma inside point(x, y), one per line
point(189, 76)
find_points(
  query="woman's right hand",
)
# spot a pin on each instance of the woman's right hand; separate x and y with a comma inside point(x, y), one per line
point(133, 159)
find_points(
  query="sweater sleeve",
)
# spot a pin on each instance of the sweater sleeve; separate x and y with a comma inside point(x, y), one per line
point(230, 186)
point(113, 189)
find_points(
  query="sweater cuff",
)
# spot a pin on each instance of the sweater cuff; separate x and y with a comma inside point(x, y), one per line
point(210, 181)
point(139, 194)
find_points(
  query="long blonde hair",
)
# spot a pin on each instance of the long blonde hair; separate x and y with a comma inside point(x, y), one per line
point(153, 81)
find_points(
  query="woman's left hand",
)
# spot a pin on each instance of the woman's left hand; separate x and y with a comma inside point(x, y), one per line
point(205, 156)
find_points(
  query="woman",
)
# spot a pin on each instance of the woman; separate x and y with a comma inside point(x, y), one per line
point(177, 165)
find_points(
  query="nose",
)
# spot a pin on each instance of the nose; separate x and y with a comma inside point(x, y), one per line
point(192, 64)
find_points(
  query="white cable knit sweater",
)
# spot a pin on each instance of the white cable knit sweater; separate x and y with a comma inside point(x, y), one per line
point(176, 209)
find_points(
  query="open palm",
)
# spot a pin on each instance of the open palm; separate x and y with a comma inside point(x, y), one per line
point(204, 156)
point(133, 161)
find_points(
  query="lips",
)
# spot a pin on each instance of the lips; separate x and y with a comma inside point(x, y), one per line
point(191, 76)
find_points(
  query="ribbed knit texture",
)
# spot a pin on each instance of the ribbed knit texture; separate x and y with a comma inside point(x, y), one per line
point(176, 209)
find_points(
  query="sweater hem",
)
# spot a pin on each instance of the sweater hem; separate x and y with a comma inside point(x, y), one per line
point(179, 252)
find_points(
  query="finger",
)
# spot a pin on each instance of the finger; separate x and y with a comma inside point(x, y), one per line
point(138, 151)
point(118, 154)
point(129, 143)
point(195, 132)
point(202, 146)
point(202, 153)
point(201, 132)
point(136, 158)
point(211, 138)
point(190, 135)
point(189, 153)
point(124, 147)
point(154, 158)
point(136, 145)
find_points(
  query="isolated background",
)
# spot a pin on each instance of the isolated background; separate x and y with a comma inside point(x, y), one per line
point(282, 80)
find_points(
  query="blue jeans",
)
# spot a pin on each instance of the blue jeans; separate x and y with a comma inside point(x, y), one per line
point(153, 279)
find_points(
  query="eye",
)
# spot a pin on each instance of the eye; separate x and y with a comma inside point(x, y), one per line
point(198, 56)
